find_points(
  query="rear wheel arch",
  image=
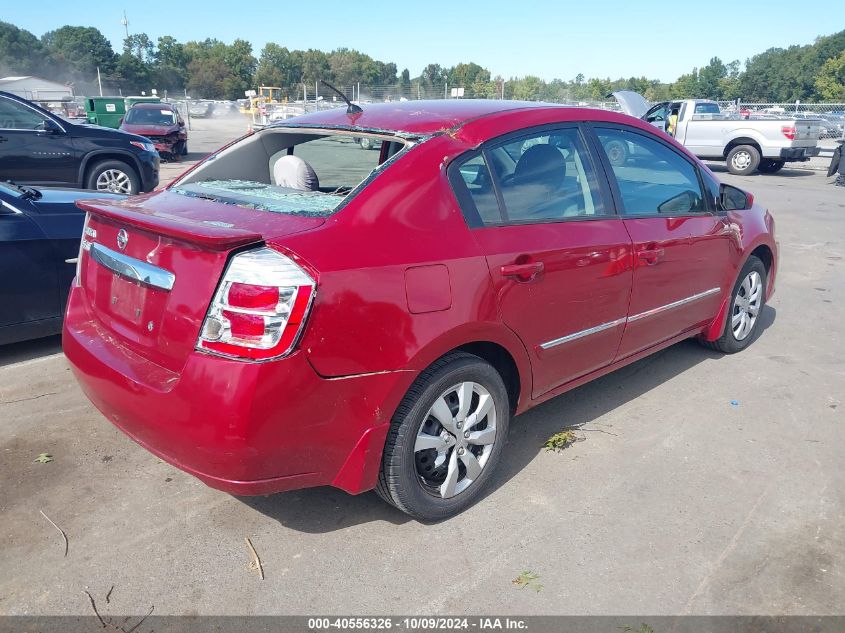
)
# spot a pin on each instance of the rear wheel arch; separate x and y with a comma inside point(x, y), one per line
point(498, 346)
point(742, 140)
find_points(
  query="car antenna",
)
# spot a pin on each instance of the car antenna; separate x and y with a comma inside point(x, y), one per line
point(351, 107)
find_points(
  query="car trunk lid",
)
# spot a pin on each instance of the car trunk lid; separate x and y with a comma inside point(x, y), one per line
point(150, 265)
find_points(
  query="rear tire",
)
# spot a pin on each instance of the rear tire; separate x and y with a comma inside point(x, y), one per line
point(113, 176)
point(743, 160)
point(366, 143)
point(432, 470)
point(744, 309)
point(768, 166)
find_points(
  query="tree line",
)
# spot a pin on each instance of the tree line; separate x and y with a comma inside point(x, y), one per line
point(212, 69)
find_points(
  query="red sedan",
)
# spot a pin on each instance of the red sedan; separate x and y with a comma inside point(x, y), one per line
point(294, 312)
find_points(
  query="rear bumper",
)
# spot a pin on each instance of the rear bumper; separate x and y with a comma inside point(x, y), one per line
point(793, 154)
point(245, 428)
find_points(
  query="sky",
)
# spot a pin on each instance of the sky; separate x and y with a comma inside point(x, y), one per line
point(508, 37)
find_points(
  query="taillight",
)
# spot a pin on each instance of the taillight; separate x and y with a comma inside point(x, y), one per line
point(788, 131)
point(260, 308)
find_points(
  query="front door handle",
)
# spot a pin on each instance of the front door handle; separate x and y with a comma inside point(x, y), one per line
point(652, 255)
point(523, 272)
point(3, 139)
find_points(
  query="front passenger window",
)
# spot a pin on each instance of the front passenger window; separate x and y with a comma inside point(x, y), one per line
point(14, 116)
point(653, 179)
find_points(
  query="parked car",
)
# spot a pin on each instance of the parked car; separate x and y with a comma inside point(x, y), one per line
point(746, 145)
point(42, 149)
point(201, 109)
point(162, 124)
point(294, 312)
point(40, 231)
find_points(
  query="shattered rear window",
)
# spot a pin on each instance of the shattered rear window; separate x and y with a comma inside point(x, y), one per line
point(258, 195)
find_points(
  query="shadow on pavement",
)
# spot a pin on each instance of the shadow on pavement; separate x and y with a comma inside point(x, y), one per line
point(320, 510)
point(28, 350)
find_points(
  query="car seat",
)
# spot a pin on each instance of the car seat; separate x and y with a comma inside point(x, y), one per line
point(294, 173)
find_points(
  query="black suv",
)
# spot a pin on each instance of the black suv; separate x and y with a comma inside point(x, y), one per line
point(40, 148)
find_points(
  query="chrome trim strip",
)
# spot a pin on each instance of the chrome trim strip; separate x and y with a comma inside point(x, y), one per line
point(133, 268)
point(582, 333)
point(11, 208)
point(674, 304)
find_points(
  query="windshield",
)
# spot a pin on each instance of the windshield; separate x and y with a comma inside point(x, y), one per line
point(150, 116)
point(258, 195)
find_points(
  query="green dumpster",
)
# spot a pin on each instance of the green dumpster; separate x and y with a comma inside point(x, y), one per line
point(130, 101)
point(105, 111)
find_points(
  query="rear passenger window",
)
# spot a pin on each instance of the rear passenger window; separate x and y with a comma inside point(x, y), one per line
point(652, 178)
point(546, 177)
point(542, 177)
point(477, 184)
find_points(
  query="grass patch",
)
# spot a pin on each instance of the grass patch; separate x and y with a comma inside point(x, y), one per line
point(560, 441)
point(528, 579)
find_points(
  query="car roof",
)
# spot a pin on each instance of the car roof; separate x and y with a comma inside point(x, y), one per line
point(412, 117)
point(151, 105)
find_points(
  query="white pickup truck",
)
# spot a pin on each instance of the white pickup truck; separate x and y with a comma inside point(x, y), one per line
point(746, 145)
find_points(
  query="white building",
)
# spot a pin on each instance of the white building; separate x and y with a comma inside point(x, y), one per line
point(36, 89)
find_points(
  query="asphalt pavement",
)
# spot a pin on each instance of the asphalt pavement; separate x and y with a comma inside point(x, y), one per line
point(703, 484)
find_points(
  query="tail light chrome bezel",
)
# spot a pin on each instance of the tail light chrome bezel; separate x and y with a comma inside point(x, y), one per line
point(254, 267)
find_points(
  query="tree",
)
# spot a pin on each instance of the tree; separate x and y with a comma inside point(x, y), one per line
point(20, 51)
point(467, 75)
point(80, 50)
point(131, 74)
point(830, 82)
point(527, 88)
point(433, 76)
point(241, 63)
point(139, 45)
point(206, 77)
point(404, 85)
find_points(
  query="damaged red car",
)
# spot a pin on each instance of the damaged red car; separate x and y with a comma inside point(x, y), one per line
point(294, 312)
point(162, 124)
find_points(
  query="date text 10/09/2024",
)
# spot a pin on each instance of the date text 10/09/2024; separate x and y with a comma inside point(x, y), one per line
point(416, 623)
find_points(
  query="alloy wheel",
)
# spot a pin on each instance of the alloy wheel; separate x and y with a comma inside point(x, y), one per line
point(114, 181)
point(455, 440)
point(746, 307)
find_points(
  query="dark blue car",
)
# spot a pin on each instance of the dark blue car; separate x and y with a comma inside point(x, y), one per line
point(40, 230)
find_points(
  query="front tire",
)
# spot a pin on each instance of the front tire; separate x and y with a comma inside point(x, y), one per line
point(113, 176)
point(366, 143)
point(768, 166)
point(746, 304)
point(743, 160)
point(446, 438)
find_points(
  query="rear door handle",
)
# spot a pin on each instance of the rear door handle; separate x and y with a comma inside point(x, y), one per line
point(3, 139)
point(651, 255)
point(523, 272)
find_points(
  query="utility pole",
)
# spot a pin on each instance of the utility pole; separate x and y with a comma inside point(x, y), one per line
point(125, 23)
point(99, 81)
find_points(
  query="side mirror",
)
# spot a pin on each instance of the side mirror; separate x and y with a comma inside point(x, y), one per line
point(682, 203)
point(733, 198)
point(50, 128)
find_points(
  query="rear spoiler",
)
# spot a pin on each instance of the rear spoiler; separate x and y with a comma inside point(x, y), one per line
point(180, 227)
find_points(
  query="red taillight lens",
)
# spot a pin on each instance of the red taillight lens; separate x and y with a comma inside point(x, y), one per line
point(253, 297)
point(788, 131)
point(259, 309)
